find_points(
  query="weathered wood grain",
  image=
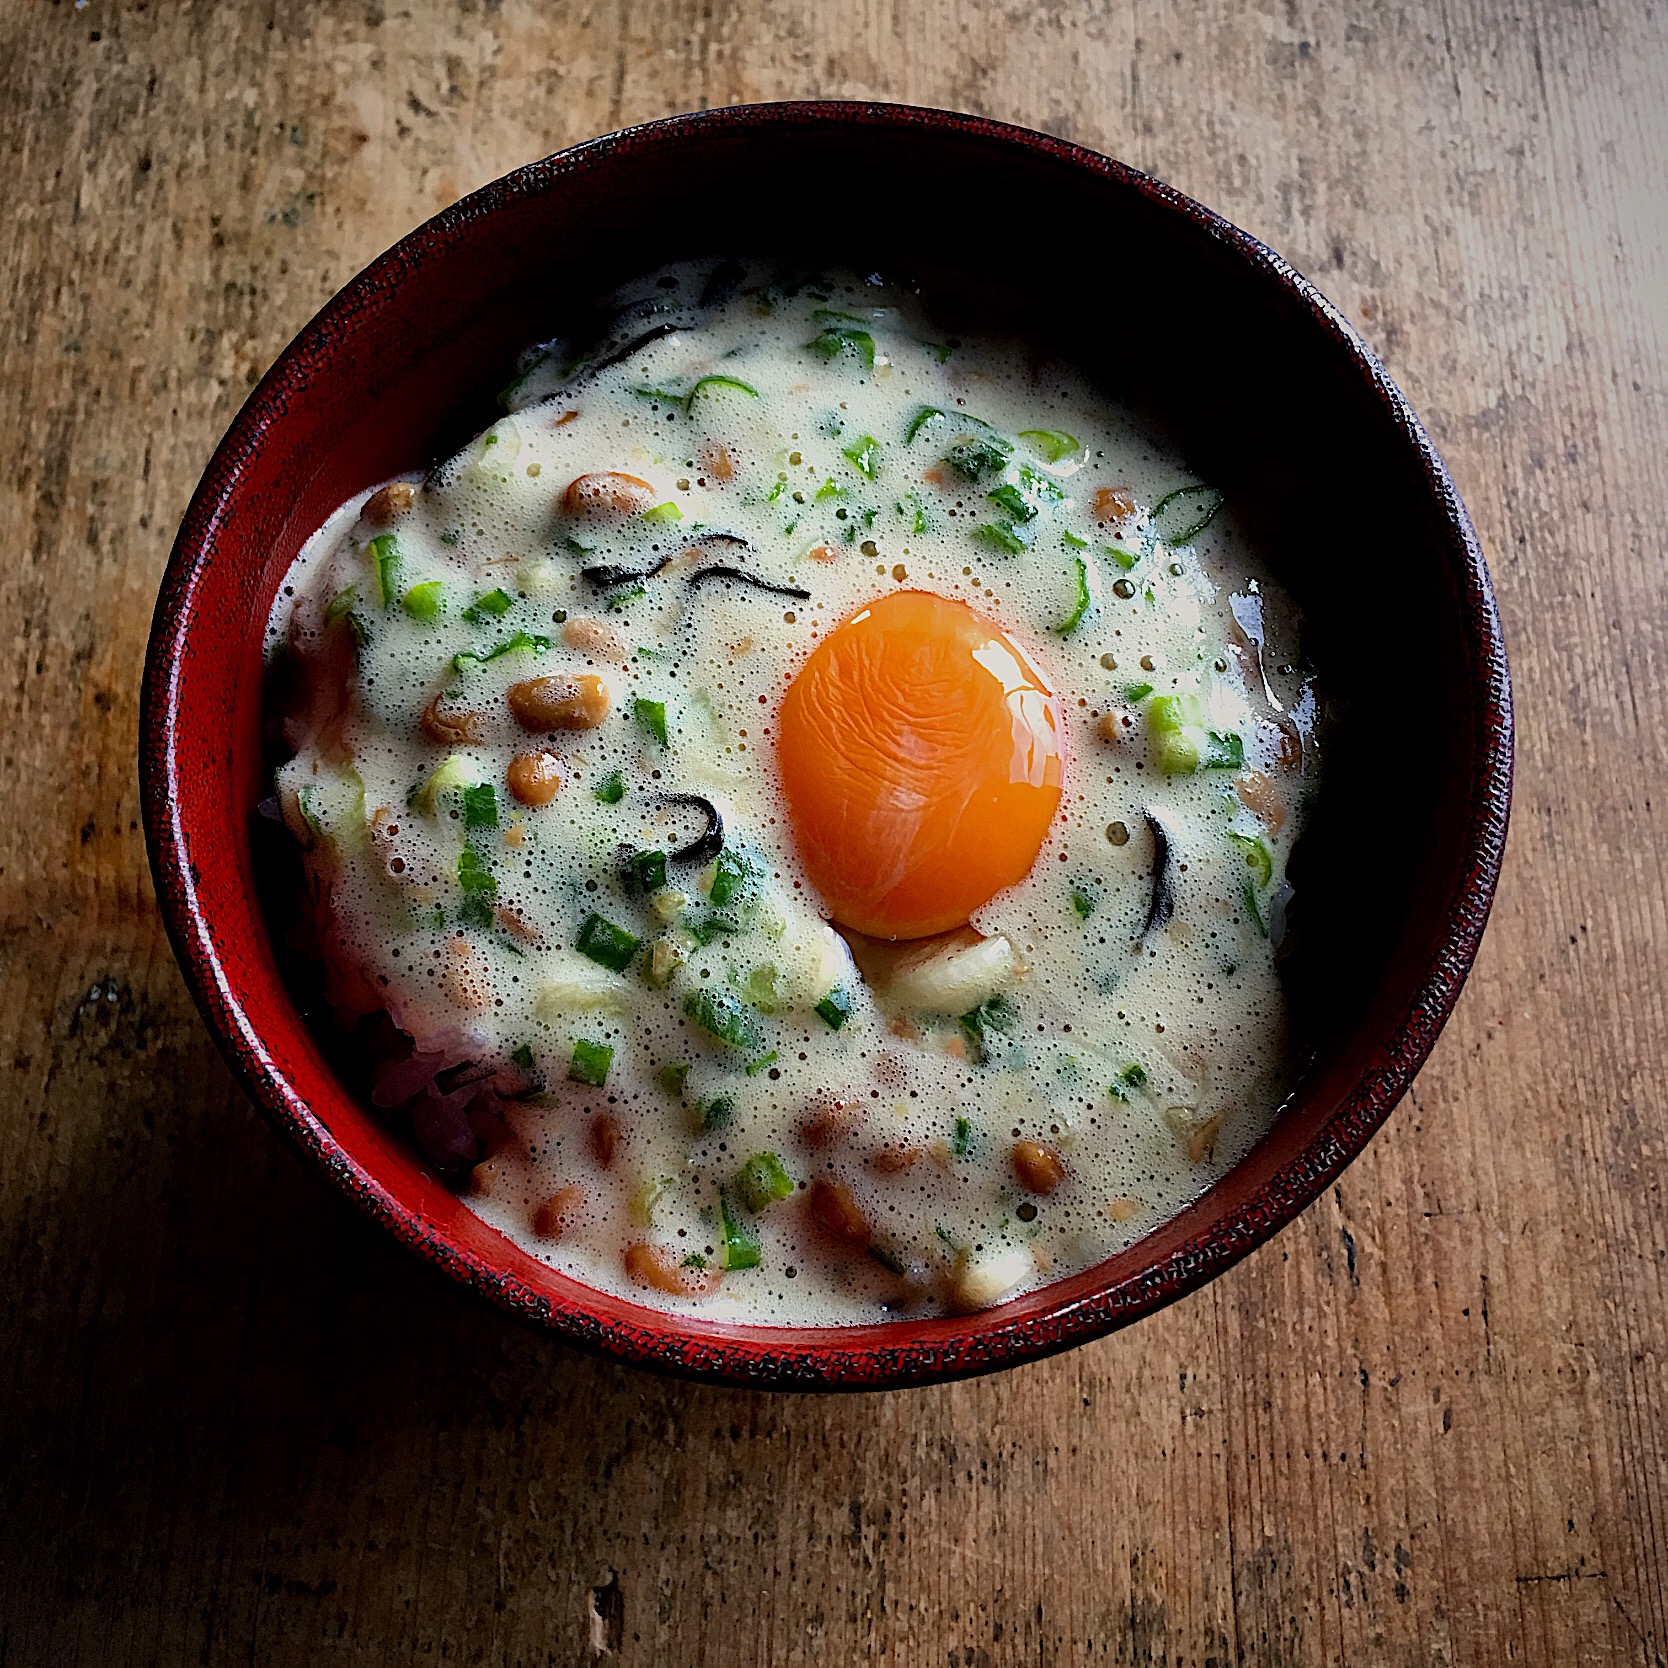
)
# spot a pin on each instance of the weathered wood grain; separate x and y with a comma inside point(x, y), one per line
point(1426, 1425)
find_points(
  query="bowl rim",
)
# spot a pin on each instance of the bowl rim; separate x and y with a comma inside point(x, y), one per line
point(834, 1357)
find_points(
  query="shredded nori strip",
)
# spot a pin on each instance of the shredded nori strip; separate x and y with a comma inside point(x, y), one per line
point(621, 354)
point(451, 1078)
point(719, 535)
point(746, 578)
point(710, 843)
point(726, 279)
point(1163, 904)
point(605, 576)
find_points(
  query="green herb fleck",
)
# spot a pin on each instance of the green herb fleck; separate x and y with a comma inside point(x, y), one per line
point(1074, 619)
point(835, 1009)
point(385, 559)
point(919, 421)
point(652, 716)
point(762, 1180)
point(610, 790)
point(644, 872)
point(711, 384)
point(738, 1241)
point(724, 1017)
point(1137, 692)
point(1258, 858)
point(1185, 513)
point(1051, 444)
point(511, 645)
point(663, 512)
point(480, 806)
point(863, 454)
point(493, 604)
point(480, 889)
point(606, 944)
point(673, 1076)
point(1012, 539)
point(839, 339)
point(978, 456)
point(590, 1063)
point(716, 1113)
point(522, 1057)
point(422, 602)
point(961, 1141)
point(763, 1063)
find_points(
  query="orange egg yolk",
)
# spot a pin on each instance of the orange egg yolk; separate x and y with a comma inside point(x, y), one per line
point(921, 757)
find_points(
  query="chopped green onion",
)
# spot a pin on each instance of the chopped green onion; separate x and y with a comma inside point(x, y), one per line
point(1131, 1077)
point(1011, 540)
point(610, 790)
point(1254, 904)
point(1224, 752)
point(978, 456)
point(607, 945)
point(495, 602)
point(714, 382)
point(522, 1057)
point(738, 1242)
point(1072, 542)
point(998, 1013)
point(1084, 899)
point(1182, 744)
point(838, 339)
point(1022, 499)
point(724, 1017)
point(673, 1076)
point(341, 604)
point(385, 558)
point(919, 421)
point(762, 1180)
point(1125, 559)
point(644, 872)
point(729, 874)
point(1075, 618)
point(909, 507)
point(693, 1260)
point(652, 716)
point(480, 889)
point(510, 645)
point(1137, 692)
point(961, 1142)
point(1185, 513)
point(623, 596)
point(716, 1113)
point(480, 806)
point(663, 512)
point(760, 990)
point(835, 1009)
point(763, 1063)
point(590, 1063)
point(1052, 444)
point(863, 454)
point(666, 396)
point(830, 489)
point(422, 602)
point(1258, 858)
point(940, 351)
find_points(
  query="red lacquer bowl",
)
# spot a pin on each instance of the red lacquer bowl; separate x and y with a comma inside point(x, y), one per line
point(1268, 391)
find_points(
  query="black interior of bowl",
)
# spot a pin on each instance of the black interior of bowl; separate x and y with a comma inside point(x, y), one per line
point(1164, 309)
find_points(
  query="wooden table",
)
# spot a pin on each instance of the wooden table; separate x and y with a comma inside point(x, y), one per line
point(1425, 1425)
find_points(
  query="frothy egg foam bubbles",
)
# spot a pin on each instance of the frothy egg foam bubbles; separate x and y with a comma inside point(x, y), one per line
point(816, 795)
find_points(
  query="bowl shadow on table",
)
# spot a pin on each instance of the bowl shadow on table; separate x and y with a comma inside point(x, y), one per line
point(251, 1366)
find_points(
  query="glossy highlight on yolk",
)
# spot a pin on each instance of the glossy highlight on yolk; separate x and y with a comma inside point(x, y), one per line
point(921, 755)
